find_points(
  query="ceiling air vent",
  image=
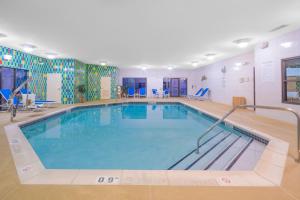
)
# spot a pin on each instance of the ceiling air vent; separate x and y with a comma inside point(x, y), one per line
point(279, 27)
point(264, 45)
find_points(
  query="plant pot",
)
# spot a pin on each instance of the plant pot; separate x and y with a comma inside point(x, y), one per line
point(81, 99)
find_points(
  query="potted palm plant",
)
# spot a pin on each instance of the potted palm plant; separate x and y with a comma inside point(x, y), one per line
point(81, 90)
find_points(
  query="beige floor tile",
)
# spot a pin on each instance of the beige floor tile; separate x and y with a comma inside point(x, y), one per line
point(54, 177)
point(11, 189)
point(91, 177)
point(132, 177)
point(269, 171)
point(156, 178)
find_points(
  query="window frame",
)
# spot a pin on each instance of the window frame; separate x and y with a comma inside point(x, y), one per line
point(167, 85)
point(284, 81)
point(136, 78)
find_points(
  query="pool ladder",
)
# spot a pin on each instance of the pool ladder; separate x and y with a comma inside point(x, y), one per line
point(12, 108)
point(255, 106)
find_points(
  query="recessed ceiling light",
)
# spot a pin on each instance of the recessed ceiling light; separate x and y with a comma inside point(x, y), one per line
point(210, 56)
point(2, 35)
point(28, 47)
point(170, 68)
point(7, 57)
point(103, 63)
point(195, 63)
point(242, 43)
point(51, 55)
point(238, 64)
point(286, 44)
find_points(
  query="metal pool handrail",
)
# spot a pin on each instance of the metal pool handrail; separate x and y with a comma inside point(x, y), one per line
point(255, 106)
point(12, 108)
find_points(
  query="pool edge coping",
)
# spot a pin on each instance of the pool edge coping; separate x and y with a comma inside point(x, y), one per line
point(267, 172)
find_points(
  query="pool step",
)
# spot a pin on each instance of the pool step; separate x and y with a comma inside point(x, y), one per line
point(214, 136)
point(228, 159)
point(249, 157)
point(220, 152)
point(205, 147)
point(204, 162)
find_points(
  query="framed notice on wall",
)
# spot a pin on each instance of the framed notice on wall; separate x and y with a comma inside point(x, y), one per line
point(267, 71)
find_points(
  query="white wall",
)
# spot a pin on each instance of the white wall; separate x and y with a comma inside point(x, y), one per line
point(155, 76)
point(237, 81)
point(223, 87)
point(268, 61)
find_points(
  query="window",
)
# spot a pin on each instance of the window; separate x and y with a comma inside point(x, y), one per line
point(21, 76)
point(7, 78)
point(135, 83)
point(11, 78)
point(176, 86)
point(291, 80)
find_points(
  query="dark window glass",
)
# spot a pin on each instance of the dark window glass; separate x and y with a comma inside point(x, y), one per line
point(135, 83)
point(11, 78)
point(183, 87)
point(166, 83)
point(21, 76)
point(176, 86)
point(291, 80)
point(7, 78)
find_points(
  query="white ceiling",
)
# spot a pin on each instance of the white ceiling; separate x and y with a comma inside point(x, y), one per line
point(155, 33)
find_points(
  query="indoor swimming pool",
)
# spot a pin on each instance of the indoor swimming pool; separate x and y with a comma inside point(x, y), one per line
point(140, 136)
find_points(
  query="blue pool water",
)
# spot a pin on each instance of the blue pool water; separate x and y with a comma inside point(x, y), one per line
point(121, 136)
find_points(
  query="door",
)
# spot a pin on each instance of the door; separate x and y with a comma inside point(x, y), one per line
point(174, 92)
point(105, 87)
point(54, 82)
point(183, 87)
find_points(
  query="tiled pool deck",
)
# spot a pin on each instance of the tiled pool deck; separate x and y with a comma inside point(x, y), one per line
point(268, 171)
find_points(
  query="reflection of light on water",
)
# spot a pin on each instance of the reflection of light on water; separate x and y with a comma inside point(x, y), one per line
point(105, 115)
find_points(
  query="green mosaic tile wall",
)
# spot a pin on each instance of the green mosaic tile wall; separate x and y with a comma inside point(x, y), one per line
point(38, 67)
point(73, 73)
point(66, 68)
point(94, 74)
point(80, 79)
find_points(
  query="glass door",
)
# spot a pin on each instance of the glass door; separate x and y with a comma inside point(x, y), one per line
point(174, 91)
point(176, 86)
point(183, 87)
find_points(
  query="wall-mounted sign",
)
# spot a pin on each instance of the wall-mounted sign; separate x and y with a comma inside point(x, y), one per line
point(267, 72)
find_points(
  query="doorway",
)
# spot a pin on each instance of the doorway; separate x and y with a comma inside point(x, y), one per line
point(105, 87)
point(176, 86)
point(174, 89)
point(54, 82)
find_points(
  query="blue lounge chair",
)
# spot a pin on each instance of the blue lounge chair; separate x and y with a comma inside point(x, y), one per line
point(203, 95)
point(25, 91)
point(198, 93)
point(130, 92)
point(142, 92)
point(166, 93)
point(155, 93)
point(37, 102)
point(6, 94)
